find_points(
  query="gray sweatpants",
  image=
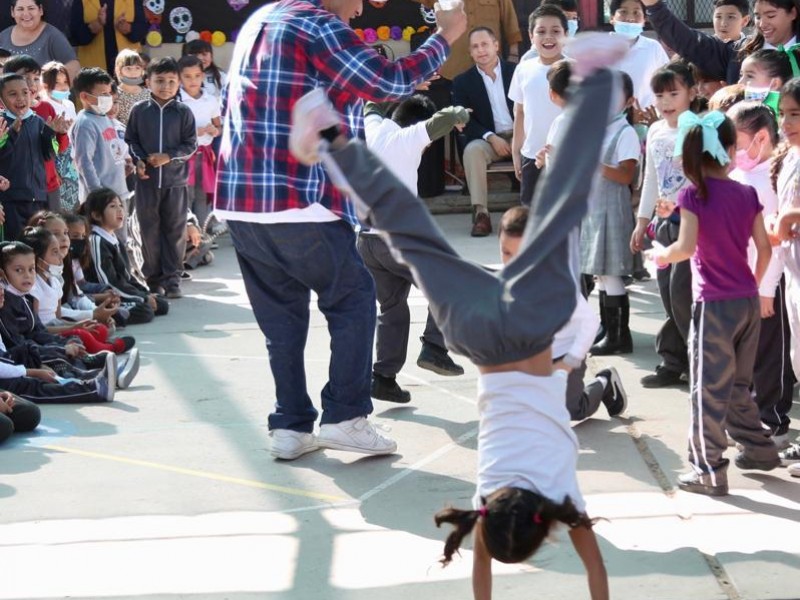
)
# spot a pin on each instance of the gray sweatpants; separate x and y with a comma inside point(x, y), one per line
point(510, 315)
point(723, 339)
point(583, 400)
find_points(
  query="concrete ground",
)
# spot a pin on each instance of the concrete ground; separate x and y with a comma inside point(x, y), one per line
point(170, 491)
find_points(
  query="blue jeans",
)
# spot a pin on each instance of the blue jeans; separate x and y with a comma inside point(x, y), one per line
point(281, 263)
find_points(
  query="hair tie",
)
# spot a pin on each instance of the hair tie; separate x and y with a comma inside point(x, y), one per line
point(482, 511)
point(709, 123)
point(792, 59)
point(537, 518)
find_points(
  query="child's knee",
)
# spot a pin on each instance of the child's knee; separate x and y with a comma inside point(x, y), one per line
point(26, 415)
point(6, 428)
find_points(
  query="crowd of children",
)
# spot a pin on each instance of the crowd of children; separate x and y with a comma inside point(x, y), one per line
point(96, 227)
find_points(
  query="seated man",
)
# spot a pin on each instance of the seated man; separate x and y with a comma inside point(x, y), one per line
point(484, 89)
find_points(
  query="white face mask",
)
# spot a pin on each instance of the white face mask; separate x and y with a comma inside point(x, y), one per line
point(104, 104)
point(628, 30)
point(755, 94)
point(55, 270)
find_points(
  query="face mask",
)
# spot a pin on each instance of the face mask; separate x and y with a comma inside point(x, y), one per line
point(755, 94)
point(59, 95)
point(572, 27)
point(55, 270)
point(77, 247)
point(628, 30)
point(104, 104)
point(13, 117)
point(743, 160)
point(131, 80)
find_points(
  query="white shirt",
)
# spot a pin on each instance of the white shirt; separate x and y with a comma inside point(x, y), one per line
point(48, 295)
point(759, 178)
point(644, 58)
point(400, 148)
point(530, 88)
point(503, 121)
point(663, 175)
point(63, 107)
point(524, 438)
point(577, 336)
point(789, 44)
point(210, 85)
point(205, 108)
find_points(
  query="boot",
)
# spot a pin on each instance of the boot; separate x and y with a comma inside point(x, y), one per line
point(612, 343)
point(625, 339)
point(601, 332)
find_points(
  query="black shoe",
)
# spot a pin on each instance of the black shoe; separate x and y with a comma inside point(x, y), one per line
point(601, 330)
point(155, 289)
point(174, 293)
point(386, 388)
point(614, 397)
point(642, 274)
point(663, 377)
point(706, 483)
point(748, 464)
point(95, 361)
point(436, 359)
point(618, 336)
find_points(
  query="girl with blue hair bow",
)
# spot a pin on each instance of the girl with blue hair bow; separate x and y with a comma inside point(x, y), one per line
point(718, 218)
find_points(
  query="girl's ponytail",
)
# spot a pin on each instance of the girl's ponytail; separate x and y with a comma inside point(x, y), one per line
point(778, 156)
point(464, 521)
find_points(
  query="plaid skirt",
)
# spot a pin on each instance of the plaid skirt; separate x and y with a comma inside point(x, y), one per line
point(606, 230)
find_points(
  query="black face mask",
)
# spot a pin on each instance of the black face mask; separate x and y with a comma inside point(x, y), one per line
point(77, 248)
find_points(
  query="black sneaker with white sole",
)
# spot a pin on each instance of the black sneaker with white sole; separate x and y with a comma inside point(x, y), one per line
point(614, 397)
point(436, 359)
point(747, 463)
point(791, 455)
point(386, 388)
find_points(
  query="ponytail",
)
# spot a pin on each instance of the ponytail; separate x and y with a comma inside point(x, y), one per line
point(777, 163)
point(464, 521)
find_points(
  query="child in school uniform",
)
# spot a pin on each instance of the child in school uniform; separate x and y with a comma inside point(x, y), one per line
point(26, 142)
point(718, 218)
point(206, 110)
point(162, 136)
point(17, 415)
point(504, 322)
point(215, 78)
point(400, 141)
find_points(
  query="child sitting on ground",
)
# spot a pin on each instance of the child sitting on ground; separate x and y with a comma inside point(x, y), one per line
point(17, 415)
point(504, 322)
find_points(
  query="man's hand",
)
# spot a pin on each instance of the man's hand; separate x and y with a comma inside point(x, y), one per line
point(426, 85)
point(452, 23)
point(158, 160)
point(501, 147)
point(123, 25)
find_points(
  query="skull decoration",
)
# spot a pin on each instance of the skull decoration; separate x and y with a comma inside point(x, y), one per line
point(181, 19)
point(154, 6)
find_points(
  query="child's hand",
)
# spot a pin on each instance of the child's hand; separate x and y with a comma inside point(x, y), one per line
point(767, 307)
point(106, 310)
point(771, 225)
point(637, 238)
point(541, 156)
point(3, 128)
point(141, 170)
point(4, 185)
point(664, 208)
point(6, 406)
point(785, 228)
point(129, 166)
point(656, 254)
point(151, 300)
point(59, 124)
point(74, 350)
point(646, 116)
point(193, 235)
point(212, 131)
point(158, 160)
point(45, 375)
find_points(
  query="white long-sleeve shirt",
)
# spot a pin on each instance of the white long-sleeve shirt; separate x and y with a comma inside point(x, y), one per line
point(663, 175)
point(759, 178)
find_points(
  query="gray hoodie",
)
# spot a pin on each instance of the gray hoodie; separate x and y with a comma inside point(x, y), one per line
point(99, 153)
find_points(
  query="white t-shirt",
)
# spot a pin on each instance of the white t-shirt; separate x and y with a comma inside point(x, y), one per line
point(210, 84)
point(759, 178)
point(525, 439)
point(205, 108)
point(400, 148)
point(644, 58)
point(530, 88)
point(48, 295)
point(63, 107)
point(663, 175)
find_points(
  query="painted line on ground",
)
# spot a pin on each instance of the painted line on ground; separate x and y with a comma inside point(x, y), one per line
point(202, 474)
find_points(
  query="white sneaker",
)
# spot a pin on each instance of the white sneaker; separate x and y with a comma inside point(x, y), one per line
point(288, 444)
point(128, 369)
point(791, 455)
point(794, 470)
point(355, 435)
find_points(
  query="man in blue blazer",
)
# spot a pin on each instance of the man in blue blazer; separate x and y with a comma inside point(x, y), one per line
point(484, 89)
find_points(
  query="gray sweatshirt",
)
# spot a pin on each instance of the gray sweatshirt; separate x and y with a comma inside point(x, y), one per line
point(99, 153)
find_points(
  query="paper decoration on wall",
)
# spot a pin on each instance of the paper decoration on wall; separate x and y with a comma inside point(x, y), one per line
point(218, 38)
point(192, 36)
point(238, 4)
point(156, 7)
point(154, 38)
point(428, 14)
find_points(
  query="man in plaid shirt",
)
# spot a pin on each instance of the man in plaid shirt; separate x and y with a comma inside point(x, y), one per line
point(292, 229)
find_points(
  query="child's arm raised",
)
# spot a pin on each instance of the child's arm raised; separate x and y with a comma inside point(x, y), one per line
point(585, 543)
point(481, 568)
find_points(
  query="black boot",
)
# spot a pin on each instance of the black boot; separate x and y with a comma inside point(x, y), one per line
point(601, 332)
point(612, 343)
point(625, 339)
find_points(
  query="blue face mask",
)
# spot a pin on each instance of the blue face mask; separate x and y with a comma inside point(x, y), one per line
point(13, 117)
point(628, 30)
point(572, 27)
point(59, 95)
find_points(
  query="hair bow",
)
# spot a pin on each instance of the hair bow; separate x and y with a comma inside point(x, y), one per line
point(792, 58)
point(709, 123)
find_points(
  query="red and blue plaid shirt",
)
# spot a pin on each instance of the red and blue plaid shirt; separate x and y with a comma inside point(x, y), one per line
point(284, 51)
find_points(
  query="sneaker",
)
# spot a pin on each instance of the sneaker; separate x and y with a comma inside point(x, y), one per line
point(386, 388)
point(748, 464)
point(614, 397)
point(185, 275)
point(288, 444)
point(127, 369)
point(663, 377)
point(782, 441)
point(794, 470)
point(123, 344)
point(156, 289)
point(642, 275)
point(107, 380)
point(436, 359)
point(791, 455)
point(96, 361)
point(174, 293)
point(708, 484)
point(355, 435)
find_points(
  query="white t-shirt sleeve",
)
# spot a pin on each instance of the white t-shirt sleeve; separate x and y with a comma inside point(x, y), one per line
point(515, 87)
point(372, 127)
point(628, 146)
